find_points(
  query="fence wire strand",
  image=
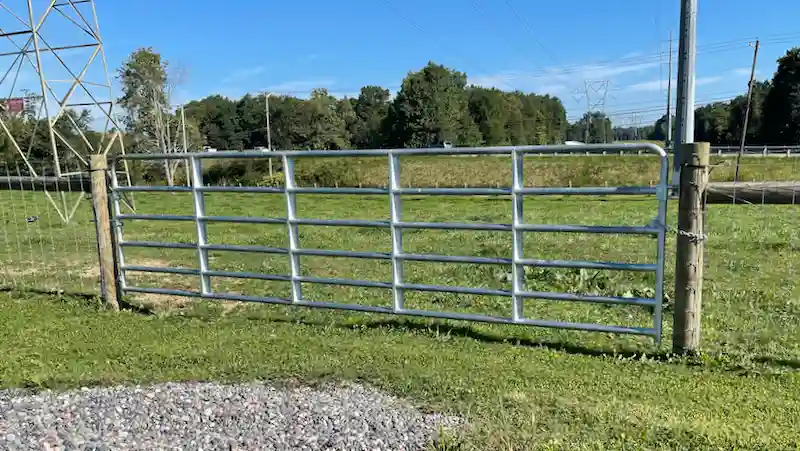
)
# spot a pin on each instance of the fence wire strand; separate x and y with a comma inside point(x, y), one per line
point(41, 248)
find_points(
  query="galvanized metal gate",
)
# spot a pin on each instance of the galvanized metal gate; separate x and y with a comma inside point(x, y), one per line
point(397, 225)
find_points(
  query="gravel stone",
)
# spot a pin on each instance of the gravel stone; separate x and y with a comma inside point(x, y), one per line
point(210, 416)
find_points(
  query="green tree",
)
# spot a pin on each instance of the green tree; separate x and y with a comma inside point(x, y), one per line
point(737, 110)
point(431, 108)
point(319, 123)
point(592, 128)
point(143, 77)
point(369, 130)
point(711, 123)
point(781, 115)
point(489, 110)
point(218, 120)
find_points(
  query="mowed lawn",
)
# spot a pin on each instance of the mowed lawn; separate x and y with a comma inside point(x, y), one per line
point(519, 387)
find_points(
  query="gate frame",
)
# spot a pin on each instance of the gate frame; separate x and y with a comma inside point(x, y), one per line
point(657, 227)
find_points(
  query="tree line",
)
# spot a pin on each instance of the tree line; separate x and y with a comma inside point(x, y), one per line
point(434, 105)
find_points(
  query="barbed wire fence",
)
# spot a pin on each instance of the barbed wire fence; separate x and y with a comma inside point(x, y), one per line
point(48, 238)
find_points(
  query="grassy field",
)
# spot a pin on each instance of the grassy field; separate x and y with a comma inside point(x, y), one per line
point(520, 388)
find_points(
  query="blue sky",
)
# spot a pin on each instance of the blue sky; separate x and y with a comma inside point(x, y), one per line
point(241, 46)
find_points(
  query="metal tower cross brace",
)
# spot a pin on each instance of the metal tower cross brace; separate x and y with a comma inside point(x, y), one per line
point(53, 48)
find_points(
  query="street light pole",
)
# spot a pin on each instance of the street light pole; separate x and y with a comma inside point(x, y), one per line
point(269, 132)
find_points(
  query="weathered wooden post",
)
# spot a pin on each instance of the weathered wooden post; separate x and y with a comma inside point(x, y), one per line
point(102, 217)
point(690, 246)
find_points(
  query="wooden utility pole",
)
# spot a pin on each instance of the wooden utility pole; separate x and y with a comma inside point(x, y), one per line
point(690, 246)
point(746, 112)
point(105, 246)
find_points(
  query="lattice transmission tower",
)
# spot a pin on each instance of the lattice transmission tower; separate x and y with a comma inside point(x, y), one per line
point(54, 73)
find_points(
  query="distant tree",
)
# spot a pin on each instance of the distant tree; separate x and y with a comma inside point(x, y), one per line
point(781, 110)
point(489, 111)
point(371, 110)
point(711, 123)
point(143, 77)
point(755, 123)
point(218, 120)
point(431, 108)
point(592, 128)
point(319, 124)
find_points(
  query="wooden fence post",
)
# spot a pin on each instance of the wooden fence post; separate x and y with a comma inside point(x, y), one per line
point(690, 246)
point(105, 246)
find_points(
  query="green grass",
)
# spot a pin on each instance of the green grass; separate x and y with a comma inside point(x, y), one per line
point(520, 388)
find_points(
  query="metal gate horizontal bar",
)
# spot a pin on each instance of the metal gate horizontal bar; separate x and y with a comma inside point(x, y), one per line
point(454, 191)
point(240, 189)
point(249, 275)
point(629, 230)
point(350, 254)
point(244, 248)
point(154, 189)
point(243, 220)
point(158, 244)
point(407, 312)
point(580, 264)
point(284, 251)
point(588, 191)
point(155, 217)
point(326, 190)
point(451, 289)
point(345, 282)
point(341, 222)
point(552, 296)
point(455, 259)
point(160, 270)
point(454, 226)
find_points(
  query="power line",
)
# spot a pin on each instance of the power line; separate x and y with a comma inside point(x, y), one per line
point(422, 30)
point(530, 30)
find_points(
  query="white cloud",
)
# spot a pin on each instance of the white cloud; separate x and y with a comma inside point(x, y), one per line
point(656, 85)
point(556, 79)
point(243, 74)
point(742, 71)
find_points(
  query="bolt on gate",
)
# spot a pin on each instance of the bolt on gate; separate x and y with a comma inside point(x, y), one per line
point(518, 262)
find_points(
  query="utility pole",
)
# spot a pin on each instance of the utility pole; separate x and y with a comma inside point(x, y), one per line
point(185, 144)
point(746, 112)
point(269, 133)
point(668, 134)
point(687, 58)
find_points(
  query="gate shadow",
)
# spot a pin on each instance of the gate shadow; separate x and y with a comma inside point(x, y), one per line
point(721, 360)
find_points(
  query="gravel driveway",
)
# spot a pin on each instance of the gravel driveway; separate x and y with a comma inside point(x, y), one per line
point(208, 416)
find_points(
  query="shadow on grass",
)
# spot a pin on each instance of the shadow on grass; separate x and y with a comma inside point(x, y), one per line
point(726, 362)
point(88, 298)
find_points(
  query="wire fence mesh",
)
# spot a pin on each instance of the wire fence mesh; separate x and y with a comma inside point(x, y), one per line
point(48, 239)
point(752, 254)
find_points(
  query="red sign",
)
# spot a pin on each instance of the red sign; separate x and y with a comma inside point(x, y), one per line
point(16, 105)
